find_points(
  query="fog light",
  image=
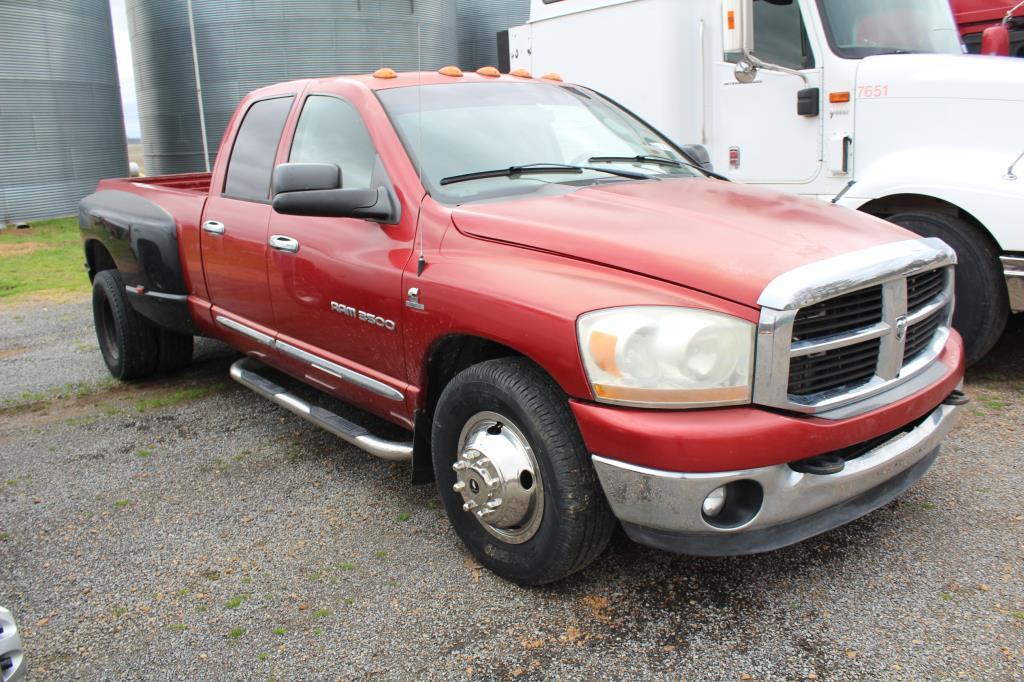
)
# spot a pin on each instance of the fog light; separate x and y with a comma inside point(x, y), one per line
point(714, 502)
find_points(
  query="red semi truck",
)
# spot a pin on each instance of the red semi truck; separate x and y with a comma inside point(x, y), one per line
point(576, 322)
point(975, 17)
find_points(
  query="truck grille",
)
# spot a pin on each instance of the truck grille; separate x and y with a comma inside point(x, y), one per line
point(838, 347)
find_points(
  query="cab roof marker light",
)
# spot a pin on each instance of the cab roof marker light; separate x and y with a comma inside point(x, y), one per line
point(489, 71)
point(385, 73)
point(552, 77)
point(453, 71)
point(521, 73)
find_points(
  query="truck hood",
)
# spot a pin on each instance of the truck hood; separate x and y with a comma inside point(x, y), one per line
point(724, 239)
point(944, 76)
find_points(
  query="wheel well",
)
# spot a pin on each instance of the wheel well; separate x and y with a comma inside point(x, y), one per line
point(97, 258)
point(903, 203)
point(448, 356)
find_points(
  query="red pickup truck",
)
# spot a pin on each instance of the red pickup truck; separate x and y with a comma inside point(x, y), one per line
point(578, 323)
point(976, 16)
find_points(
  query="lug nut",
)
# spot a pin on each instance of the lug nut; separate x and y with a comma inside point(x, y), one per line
point(459, 487)
point(469, 506)
point(459, 466)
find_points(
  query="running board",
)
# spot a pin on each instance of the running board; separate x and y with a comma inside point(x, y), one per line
point(244, 372)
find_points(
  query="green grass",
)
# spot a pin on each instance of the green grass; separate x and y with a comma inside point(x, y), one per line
point(404, 516)
point(235, 633)
point(321, 613)
point(278, 631)
point(176, 397)
point(4, 537)
point(121, 504)
point(235, 601)
point(144, 453)
point(50, 260)
point(178, 627)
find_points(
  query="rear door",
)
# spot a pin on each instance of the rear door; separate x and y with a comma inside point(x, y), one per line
point(337, 288)
point(235, 221)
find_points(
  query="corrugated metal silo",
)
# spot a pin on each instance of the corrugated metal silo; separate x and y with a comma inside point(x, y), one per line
point(479, 23)
point(246, 44)
point(61, 125)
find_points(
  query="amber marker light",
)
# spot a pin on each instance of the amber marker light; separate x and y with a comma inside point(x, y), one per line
point(521, 73)
point(385, 73)
point(453, 71)
point(552, 77)
point(838, 97)
point(488, 71)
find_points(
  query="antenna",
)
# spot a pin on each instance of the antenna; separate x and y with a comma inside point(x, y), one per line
point(421, 262)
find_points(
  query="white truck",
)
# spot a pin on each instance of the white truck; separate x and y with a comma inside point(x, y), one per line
point(870, 104)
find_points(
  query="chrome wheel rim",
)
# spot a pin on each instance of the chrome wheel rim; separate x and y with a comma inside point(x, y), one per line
point(497, 476)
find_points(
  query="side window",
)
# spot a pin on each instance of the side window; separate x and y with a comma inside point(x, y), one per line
point(780, 36)
point(252, 156)
point(330, 130)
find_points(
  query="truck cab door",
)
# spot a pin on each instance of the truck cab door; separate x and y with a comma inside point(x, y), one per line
point(758, 135)
point(336, 283)
point(236, 217)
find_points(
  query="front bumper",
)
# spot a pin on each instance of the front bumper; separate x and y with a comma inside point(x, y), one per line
point(664, 509)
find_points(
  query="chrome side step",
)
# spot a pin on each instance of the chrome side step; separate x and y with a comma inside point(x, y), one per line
point(244, 372)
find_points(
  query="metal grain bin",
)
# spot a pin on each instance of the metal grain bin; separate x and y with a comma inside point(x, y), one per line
point(246, 44)
point(479, 23)
point(61, 125)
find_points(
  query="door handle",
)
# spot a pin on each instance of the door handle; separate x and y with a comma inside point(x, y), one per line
point(213, 227)
point(283, 243)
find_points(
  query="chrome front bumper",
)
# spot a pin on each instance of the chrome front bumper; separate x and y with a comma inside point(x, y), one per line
point(663, 509)
point(1013, 268)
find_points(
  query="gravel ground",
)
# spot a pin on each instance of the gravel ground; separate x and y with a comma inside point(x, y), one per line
point(185, 529)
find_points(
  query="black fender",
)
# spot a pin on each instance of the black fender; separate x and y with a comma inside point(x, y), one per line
point(142, 240)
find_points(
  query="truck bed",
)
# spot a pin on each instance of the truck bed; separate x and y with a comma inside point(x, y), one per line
point(185, 182)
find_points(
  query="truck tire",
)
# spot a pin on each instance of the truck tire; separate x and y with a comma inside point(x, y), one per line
point(982, 304)
point(128, 342)
point(175, 351)
point(503, 432)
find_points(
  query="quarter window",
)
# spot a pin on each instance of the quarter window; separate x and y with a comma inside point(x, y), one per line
point(252, 156)
point(330, 130)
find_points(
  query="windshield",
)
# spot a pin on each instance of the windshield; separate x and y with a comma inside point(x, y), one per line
point(862, 28)
point(471, 128)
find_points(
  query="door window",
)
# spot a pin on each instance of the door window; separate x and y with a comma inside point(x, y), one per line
point(330, 130)
point(252, 156)
point(780, 36)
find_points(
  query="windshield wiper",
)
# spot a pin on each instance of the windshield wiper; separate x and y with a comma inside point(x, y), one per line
point(539, 168)
point(657, 160)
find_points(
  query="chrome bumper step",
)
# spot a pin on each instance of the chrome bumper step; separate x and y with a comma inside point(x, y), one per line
point(245, 372)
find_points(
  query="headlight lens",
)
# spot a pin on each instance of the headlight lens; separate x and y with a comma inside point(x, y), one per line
point(654, 356)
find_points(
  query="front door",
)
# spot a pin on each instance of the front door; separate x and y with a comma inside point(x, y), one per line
point(236, 219)
point(336, 283)
point(757, 135)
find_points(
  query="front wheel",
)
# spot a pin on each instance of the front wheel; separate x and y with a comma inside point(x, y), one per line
point(514, 475)
point(982, 304)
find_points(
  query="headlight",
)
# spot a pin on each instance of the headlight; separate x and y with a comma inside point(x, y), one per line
point(667, 357)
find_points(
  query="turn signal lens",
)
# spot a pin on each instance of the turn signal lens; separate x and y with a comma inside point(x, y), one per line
point(838, 97)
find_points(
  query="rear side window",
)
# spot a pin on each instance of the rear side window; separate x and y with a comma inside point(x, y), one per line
point(252, 156)
point(330, 130)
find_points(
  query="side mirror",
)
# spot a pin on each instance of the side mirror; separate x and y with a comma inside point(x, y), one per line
point(700, 156)
point(996, 41)
point(745, 71)
point(314, 189)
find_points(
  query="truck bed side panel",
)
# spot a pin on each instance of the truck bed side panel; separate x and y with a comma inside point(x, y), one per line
point(142, 238)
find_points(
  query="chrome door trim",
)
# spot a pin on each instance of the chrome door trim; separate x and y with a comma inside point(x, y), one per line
point(213, 227)
point(281, 242)
point(339, 372)
point(257, 336)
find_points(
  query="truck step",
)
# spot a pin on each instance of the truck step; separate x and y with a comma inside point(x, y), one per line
point(245, 372)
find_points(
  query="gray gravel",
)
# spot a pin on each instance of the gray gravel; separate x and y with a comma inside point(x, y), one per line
point(185, 529)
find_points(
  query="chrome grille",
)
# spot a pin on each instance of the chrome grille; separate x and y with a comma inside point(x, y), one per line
point(841, 330)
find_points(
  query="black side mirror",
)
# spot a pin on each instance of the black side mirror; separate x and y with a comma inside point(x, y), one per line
point(699, 154)
point(314, 189)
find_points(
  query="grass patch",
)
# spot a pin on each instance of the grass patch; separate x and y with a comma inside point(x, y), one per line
point(278, 631)
point(178, 627)
point(321, 613)
point(404, 516)
point(235, 633)
point(262, 656)
point(927, 506)
point(235, 601)
point(121, 504)
point(4, 537)
point(144, 453)
point(181, 395)
point(46, 257)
